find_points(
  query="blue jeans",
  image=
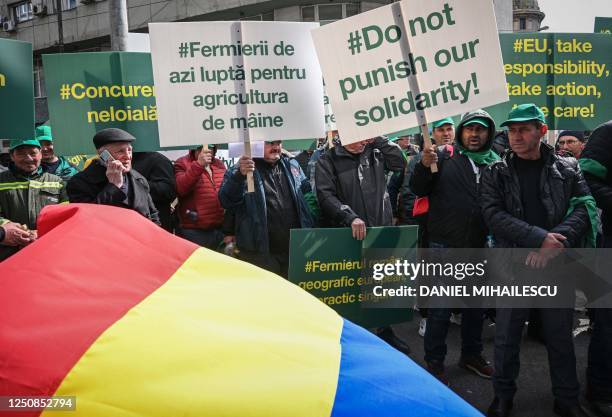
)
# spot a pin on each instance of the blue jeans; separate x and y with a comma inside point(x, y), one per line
point(210, 239)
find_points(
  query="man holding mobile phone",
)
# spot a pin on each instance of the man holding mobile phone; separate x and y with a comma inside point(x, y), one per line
point(110, 179)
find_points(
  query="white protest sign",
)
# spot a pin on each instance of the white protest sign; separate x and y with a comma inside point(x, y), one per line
point(330, 117)
point(373, 61)
point(236, 150)
point(138, 42)
point(221, 82)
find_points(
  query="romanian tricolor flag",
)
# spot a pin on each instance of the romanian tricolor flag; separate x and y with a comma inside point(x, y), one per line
point(135, 322)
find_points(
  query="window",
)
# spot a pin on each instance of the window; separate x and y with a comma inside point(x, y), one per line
point(352, 9)
point(308, 14)
point(330, 12)
point(68, 4)
point(23, 11)
point(259, 17)
point(327, 13)
point(522, 23)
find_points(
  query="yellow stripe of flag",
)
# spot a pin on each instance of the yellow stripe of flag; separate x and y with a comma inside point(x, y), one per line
point(216, 343)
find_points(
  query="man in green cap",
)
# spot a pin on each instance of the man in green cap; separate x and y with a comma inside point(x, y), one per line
point(454, 221)
point(52, 163)
point(533, 198)
point(443, 131)
point(24, 190)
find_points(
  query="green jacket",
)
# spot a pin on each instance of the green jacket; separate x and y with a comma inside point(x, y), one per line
point(22, 198)
point(65, 170)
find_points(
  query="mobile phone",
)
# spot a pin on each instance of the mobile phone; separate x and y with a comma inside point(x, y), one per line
point(106, 156)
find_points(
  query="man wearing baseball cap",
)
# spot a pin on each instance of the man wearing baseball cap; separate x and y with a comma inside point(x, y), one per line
point(52, 163)
point(525, 199)
point(24, 190)
point(454, 221)
point(111, 180)
point(443, 131)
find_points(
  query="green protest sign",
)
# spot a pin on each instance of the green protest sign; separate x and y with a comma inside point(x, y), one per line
point(603, 25)
point(332, 266)
point(91, 91)
point(567, 75)
point(16, 90)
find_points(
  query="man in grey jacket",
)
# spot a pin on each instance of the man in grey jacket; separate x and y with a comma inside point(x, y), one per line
point(352, 192)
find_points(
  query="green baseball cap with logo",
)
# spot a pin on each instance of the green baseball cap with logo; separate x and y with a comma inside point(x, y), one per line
point(15, 143)
point(477, 120)
point(44, 133)
point(525, 113)
point(445, 121)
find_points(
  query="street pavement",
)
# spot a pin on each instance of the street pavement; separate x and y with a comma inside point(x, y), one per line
point(534, 396)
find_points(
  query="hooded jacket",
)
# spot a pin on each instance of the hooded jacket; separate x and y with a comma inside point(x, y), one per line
point(354, 186)
point(65, 170)
point(251, 220)
point(596, 163)
point(454, 217)
point(561, 180)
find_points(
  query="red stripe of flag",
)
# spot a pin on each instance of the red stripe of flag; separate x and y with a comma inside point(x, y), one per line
point(61, 293)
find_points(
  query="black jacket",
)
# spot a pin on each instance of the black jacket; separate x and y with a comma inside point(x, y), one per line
point(92, 186)
point(354, 186)
point(599, 149)
point(503, 211)
point(454, 218)
point(159, 172)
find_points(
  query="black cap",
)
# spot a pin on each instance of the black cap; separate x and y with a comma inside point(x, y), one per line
point(111, 135)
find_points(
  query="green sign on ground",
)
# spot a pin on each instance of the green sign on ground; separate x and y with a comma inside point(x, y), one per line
point(91, 91)
point(332, 266)
point(568, 75)
point(16, 90)
point(603, 25)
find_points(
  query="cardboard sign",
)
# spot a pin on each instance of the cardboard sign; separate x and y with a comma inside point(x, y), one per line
point(224, 82)
point(426, 58)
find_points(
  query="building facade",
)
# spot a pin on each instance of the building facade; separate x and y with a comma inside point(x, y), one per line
point(527, 16)
point(86, 25)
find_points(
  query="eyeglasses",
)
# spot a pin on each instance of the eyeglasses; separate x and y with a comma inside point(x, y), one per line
point(567, 142)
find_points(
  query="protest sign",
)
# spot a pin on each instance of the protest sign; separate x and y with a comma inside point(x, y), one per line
point(603, 25)
point(91, 91)
point(330, 117)
point(226, 82)
point(427, 58)
point(332, 266)
point(237, 149)
point(567, 75)
point(16, 90)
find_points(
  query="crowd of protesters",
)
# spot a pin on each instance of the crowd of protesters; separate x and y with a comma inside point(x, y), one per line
point(505, 186)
